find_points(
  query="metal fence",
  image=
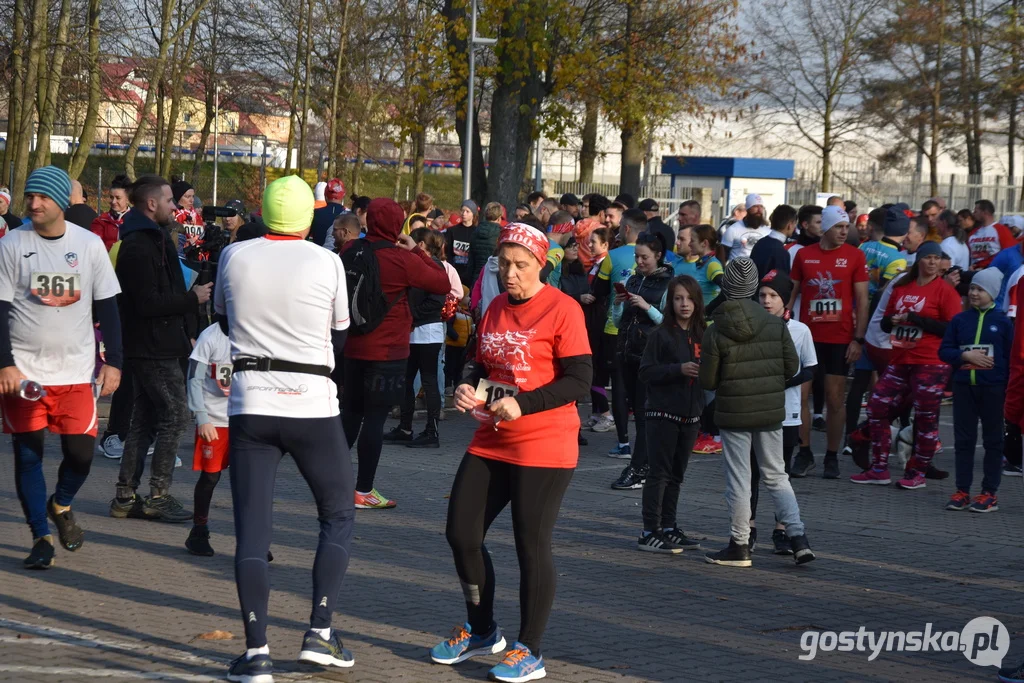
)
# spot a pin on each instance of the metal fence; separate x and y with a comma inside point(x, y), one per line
point(660, 189)
point(866, 184)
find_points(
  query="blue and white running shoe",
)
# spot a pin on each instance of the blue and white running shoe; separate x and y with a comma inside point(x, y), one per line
point(463, 645)
point(518, 666)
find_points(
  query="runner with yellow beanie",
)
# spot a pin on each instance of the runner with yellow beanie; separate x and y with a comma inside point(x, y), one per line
point(284, 401)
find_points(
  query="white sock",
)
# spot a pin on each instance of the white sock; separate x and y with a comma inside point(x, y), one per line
point(645, 533)
point(253, 651)
point(324, 633)
point(623, 445)
point(363, 493)
point(817, 415)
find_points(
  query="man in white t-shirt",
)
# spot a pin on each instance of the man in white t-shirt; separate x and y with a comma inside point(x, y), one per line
point(53, 275)
point(741, 236)
point(286, 305)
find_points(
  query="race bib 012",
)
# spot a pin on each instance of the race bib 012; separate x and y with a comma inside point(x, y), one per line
point(905, 336)
point(57, 289)
point(825, 310)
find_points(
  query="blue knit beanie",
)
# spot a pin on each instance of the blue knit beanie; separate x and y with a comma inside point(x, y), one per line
point(52, 182)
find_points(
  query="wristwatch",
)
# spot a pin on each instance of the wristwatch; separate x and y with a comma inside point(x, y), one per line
point(860, 340)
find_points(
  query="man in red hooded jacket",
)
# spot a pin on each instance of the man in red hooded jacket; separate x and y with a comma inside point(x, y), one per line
point(108, 225)
point(374, 372)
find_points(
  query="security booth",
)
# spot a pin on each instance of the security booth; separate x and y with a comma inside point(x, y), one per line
point(720, 183)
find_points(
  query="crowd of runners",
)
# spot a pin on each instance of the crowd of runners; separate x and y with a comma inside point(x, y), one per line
point(302, 327)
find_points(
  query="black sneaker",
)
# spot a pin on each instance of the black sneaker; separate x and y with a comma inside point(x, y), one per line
point(70, 534)
point(655, 542)
point(581, 440)
point(734, 555)
point(1012, 674)
point(427, 439)
point(165, 508)
point(781, 543)
point(802, 464)
point(801, 549)
point(818, 424)
point(127, 508)
point(41, 556)
point(198, 541)
point(831, 470)
point(258, 669)
point(677, 537)
point(630, 479)
point(934, 472)
point(330, 652)
point(398, 435)
point(752, 539)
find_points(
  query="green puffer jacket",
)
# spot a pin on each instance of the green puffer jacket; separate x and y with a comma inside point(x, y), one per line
point(481, 247)
point(747, 356)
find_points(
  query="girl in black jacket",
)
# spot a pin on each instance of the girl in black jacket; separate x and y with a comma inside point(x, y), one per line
point(675, 401)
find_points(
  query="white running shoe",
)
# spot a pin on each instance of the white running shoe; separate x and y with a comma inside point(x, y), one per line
point(112, 447)
point(603, 424)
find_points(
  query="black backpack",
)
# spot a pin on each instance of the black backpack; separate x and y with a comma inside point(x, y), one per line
point(367, 304)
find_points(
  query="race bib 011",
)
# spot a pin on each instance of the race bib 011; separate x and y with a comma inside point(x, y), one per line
point(825, 310)
point(57, 289)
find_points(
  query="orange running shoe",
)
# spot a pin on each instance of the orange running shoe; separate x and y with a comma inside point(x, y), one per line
point(373, 501)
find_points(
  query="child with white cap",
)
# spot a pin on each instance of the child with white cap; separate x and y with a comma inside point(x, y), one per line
point(977, 344)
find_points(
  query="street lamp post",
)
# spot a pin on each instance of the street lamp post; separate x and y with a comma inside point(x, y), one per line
point(467, 152)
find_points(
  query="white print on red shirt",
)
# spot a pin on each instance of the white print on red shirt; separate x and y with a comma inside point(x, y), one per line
point(826, 284)
point(911, 303)
point(507, 350)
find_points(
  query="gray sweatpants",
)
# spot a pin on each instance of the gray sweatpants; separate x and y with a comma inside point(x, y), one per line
point(736, 459)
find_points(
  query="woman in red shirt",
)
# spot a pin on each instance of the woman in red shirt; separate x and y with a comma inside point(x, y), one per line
point(532, 364)
point(921, 305)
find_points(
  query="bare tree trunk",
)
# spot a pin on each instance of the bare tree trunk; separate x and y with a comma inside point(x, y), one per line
point(210, 105)
point(180, 71)
point(305, 91)
point(15, 101)
point(632, 158)
point(36, 56)
point(157, 75)
point(92, 109)
point(454, 11)
point(357, 167)
point(292, 104)
point(419, 141)
point(339, 62)
point(48, 109)
point(588, 141)
point(158, 134)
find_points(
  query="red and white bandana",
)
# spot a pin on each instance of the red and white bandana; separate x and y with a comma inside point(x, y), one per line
point(526, 236)
point(562, 228)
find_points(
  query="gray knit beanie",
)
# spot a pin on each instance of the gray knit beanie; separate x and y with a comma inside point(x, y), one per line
point(740, 280)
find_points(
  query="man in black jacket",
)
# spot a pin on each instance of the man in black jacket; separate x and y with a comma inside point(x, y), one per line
point(154, 308)
point(770, 254)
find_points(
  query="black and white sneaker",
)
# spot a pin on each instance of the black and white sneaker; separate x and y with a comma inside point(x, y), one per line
point(734, 555)
point(801, 549)
point(802, 464)
point(329, 652)
point(831, 470)
point(781, 543)
point(677, 537)
point(70, 534)
point(257, 669)
point(818, 424)
point(630, 479)
point(41, 556)
point(398, 435)
point(655, 542)
point(165, 508)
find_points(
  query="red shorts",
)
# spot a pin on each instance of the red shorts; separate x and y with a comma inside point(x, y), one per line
point(66, 409)
point(211, 456)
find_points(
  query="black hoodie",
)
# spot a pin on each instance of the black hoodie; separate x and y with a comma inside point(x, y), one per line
point(669, 392)
point(158, 316)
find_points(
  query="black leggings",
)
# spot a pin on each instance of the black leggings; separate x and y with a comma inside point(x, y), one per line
point(859, 386)
point(620, 395)
point(604, 356)
point(636, 391)
point(202, 496)
point(818, 390)
point(317, 445)
point(1012, 444)
point(481, 490)
point(790, 439)
point(669, 445)
point(422, 360)
point(121, 406)
point(371, 388)
point(28, 474)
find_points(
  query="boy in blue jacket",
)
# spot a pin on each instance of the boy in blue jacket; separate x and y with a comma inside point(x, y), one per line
point(977, 344)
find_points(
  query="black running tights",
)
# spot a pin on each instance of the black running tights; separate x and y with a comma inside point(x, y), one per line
point(482, 489)
point(205, 485)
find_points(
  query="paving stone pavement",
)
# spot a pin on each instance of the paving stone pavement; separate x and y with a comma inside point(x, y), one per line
point(132, 602)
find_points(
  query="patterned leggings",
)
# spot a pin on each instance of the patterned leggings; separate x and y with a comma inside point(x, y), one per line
point(923, 384)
